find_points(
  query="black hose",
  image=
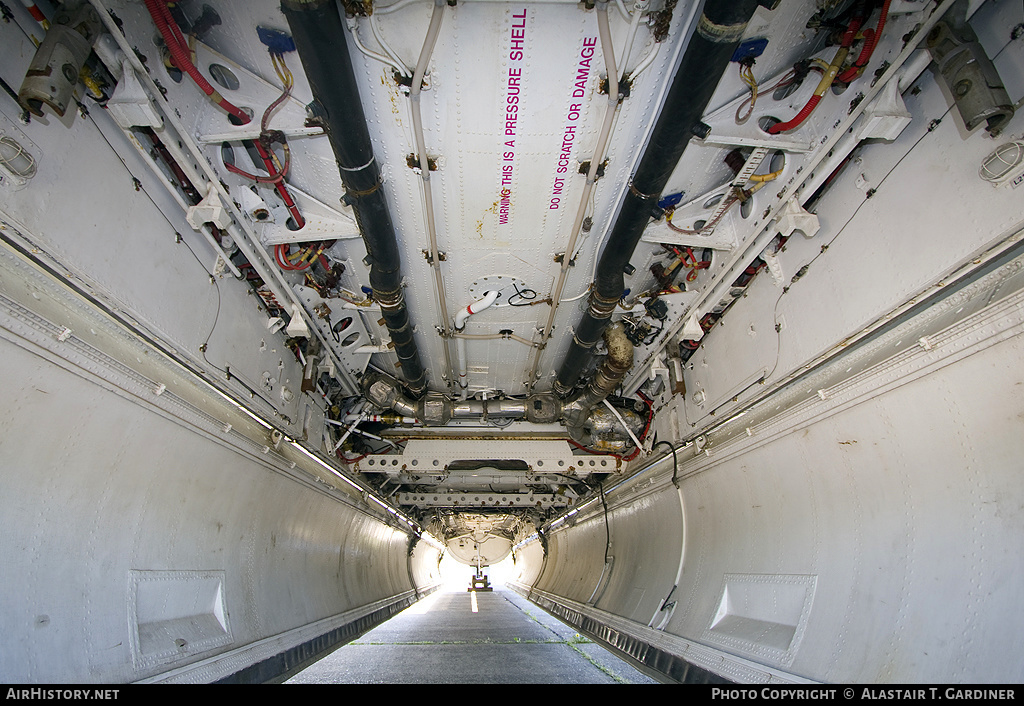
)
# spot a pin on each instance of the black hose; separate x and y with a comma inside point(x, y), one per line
point(323, 49)
point(704, 62)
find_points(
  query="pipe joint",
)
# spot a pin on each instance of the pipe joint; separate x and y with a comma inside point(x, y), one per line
point(720, 33)
point(602, 307)
point(354, 193)
point(583, 344)
point(394, 299)
point(640, 195)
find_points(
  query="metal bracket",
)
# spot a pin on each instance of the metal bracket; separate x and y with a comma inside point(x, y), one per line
point(792, 217)
point(209, 210)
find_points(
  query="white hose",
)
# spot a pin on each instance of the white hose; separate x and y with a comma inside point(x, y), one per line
point(639, 10)
point(353, 26)
point(372, 20)
point(460, 323)
point(485, 302)
point(394, 7)
point(645, 62)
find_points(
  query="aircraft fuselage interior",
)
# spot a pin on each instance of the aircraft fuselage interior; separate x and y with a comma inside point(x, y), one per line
point(707, 315)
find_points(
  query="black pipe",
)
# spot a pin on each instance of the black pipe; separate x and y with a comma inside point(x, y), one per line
point(705, 60)
point(323, 49)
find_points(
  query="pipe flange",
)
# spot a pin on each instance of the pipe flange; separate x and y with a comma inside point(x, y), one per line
point(602, 307)
point(394, 299)
point(640, 195)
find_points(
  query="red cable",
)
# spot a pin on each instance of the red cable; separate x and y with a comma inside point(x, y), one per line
point(281, 254)
point(800, 117)
point(870, 42)
point(848, 36)
point(180, 55)
point(282, 190)
point(862, 59)
point(274, 178)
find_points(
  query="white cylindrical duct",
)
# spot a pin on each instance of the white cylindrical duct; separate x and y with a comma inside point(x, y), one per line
point(476, 307)
point(486, 301)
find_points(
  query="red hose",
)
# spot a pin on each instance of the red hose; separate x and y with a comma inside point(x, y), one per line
point(870, 42)
point(182, 59)
point(800, 117)
point(848, 36)
point(180, 55)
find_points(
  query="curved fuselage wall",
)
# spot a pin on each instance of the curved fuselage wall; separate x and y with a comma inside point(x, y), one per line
point(625, 565)
point(873, 540)
point(885, 538)
point(135, 546)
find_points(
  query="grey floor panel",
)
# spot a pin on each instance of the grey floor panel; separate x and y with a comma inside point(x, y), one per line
point(440, 640)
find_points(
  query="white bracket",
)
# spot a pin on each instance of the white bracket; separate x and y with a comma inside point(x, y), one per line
point(774, 266)
point(209, 210)
point(297, 326)
point(130, 105)
point(433, 456)
point(886, 115)
point(692, 330)
point(660, 370)
point(792, 217)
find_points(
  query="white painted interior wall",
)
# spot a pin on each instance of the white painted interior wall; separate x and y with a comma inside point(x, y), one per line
point(874, 538)
point(101, 493)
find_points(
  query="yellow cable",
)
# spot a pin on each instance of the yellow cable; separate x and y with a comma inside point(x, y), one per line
point(833, 70)
point(756, 178)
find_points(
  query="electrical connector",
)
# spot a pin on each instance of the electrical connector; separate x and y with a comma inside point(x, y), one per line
point(276, 41)
point(670, 200)
point(750, 49)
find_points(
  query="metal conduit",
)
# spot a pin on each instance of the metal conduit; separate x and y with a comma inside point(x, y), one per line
point(707, 55)
point(436, 16)
point(320, 39)
point(608, 50)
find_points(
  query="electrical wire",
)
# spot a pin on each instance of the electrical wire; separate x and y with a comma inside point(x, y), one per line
point(707, 227)
point(827, 79)
point(675, 461)
point(822, 250)
point(181, 56)
point(871, 38)
point(746, 69)
point(226, 370)
point(735, 194)
point(787, 79)
point(527, 295)
point(269, 137)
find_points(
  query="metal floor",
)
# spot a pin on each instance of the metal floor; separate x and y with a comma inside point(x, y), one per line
point(448, 639)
